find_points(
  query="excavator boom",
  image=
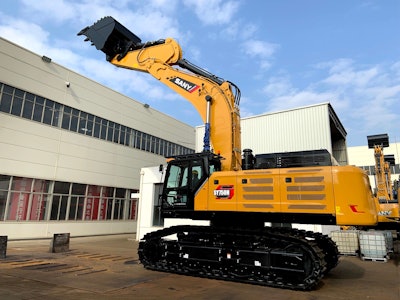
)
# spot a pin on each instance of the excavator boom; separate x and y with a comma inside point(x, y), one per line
point(215, 99)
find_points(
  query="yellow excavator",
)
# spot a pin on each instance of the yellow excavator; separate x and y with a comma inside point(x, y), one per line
point(386, 193)
point(237, 192)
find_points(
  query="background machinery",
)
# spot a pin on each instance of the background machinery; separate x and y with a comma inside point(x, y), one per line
point(386, 192)
point(236, 193)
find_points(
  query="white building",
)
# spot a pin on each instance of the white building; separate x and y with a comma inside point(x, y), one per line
point(71, 149)
point(363, 157)
point(304, 128)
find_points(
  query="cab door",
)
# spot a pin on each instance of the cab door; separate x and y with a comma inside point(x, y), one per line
point(184, 178)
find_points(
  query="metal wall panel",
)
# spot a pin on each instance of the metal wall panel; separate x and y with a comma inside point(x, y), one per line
point(305, 128)
point(293, 130)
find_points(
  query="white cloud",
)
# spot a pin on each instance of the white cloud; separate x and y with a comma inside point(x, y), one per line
point(278, 86)
point(238, 30)
point(395, 68)
point(342, 73)
point(24, 33)
point(153, 25)
point(211, 12)
point(257, 48)
point(167, 6)
point(56, 10)
point(34, 38)
point(137, 83)
point(365, 98)
point(299, 99)
point(336, 65)
point(150, 21)
point(261, 50)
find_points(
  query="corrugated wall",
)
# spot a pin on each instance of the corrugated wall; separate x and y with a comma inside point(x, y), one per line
point(305, 128)
point(293, 130)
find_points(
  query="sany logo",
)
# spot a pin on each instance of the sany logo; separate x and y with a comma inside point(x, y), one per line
point(384, 213)
point(186, 85)
point(224, 192)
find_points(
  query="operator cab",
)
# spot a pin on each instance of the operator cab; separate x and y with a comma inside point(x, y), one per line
point(185, 175)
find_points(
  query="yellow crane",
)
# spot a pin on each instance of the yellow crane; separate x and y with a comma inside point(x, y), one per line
point(385, 192)
point(237, 192)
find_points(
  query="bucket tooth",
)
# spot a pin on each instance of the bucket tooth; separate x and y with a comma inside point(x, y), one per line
point(109, 36)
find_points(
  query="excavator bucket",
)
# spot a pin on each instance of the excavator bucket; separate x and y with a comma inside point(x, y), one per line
point(378, 140)
point(109, 36)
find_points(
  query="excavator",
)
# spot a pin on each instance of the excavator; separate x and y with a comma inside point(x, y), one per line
point(386, 193)
point(238, 193)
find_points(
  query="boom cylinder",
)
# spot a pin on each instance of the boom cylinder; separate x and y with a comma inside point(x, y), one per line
point(206, 140)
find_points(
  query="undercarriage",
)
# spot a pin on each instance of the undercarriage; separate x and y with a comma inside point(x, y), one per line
point(276, 257)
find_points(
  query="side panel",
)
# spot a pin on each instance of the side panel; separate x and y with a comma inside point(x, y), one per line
point(258, 191)
point(222, 192)
point(307, 190)
point(354, 201)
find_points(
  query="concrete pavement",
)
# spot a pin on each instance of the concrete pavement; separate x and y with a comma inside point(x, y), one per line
point(106, 267)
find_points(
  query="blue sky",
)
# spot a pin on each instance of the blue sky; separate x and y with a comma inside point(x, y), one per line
point(282, 54)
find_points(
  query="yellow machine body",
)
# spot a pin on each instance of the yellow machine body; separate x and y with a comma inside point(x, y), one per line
point(307, 192)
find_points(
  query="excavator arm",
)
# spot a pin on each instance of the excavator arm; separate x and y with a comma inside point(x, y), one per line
point(382, 167)
point(216, 100)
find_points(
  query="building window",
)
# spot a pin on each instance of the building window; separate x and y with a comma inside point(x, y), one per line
point(110, 131)
point(28, 106)
point(119, 204)
point(78, 193)
point(28, 199)
point(138, 140)
point(158, 220)
point(117, 130)
point(38, 109)
point(74, 120)
point(48, 112)
point(66, 117)
point(93, 202)
point(107, 203)
point(4, 188)
point(19, 199)
point(89, 125)
point(122, 137)
point(17, 102)
point(97, 127)
point(60, 200)
point(39, 200)
point(6, 98)
point(56, 115)
point(132, 209)
point(59, 207)
point(33, 107)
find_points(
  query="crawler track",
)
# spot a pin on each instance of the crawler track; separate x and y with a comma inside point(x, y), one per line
point(276, 257)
